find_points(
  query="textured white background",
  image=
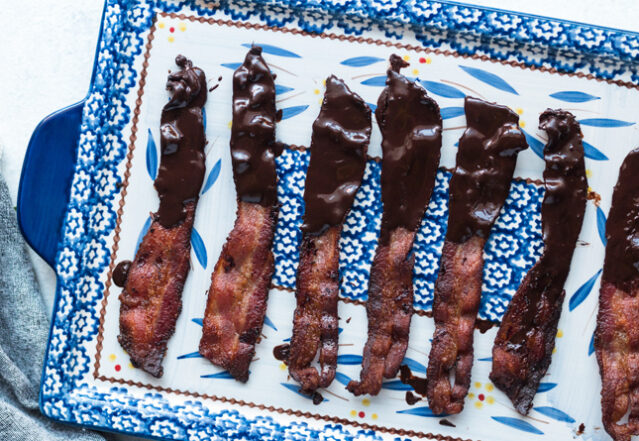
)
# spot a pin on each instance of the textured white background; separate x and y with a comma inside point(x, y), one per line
point(47, 50)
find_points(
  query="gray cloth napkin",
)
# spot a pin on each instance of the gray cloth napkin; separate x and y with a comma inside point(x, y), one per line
point(24, 328)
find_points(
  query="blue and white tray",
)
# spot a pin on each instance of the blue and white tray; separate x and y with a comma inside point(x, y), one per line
point(86, 194)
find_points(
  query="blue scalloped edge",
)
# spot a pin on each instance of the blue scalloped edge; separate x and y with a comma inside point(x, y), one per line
point(79, 287)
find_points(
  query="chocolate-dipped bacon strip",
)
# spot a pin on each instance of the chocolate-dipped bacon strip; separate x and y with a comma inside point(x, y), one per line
point(485, 164)
point(411, 128)
point(617, 333)
point(151, 300)
point(240, 282)
point(341, 134)
point(526, 338)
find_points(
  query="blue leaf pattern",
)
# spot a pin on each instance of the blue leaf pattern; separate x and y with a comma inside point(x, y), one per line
point(375, 81)
point(571, 96)
point(191, 355)
point(273, 50)
point(415, 366)
point(213, 175)
point(279, 89)
point(535, 145)
point(592, 152)
point(224, 375)
point(580, 295)
point(349, 359)
point(486, 359)
point(198, 247)
point(443, 90)
point(451, 112)
point(555, 413)
point(204, 118)
point(295, 388)
point(232, 65)
point(545, 387)
point(518, 424)
point(420, 411)
point(396, 385)
point(268, 322)
point(198, 321)
point(342, 378)
point(489, 78)
point(151, 157)
point(591, 346)
point(372, 106)
point(601, 225)
point(604, 122)
point(360, 61)
point(290, 112)
point(145, 229)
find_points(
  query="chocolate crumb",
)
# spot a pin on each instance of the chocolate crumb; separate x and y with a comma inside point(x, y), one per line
point(445, 422)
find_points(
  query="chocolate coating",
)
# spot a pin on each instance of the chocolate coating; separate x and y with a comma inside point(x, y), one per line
point(411, 127)
point(182, 165)
point(485, 163)
point(253, 148)
point(341, 134)
point(621, 266)
point(121, 272)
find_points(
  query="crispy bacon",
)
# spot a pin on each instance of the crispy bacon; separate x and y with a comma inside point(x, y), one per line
point(485, 163)
point(523, 347)
point(236, 304)
point(151, 300)
point(237, 298)
point(617, 333)
point(411, 127)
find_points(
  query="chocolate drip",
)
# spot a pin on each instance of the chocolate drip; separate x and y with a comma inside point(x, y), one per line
point(485, 163)
point(182, 166)
point(339, 143)
point(121, 272)
point(411, 127)
point(253, 148)
point(621, 266)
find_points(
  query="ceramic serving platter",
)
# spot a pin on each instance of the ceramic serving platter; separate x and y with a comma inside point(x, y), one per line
point(99, 182)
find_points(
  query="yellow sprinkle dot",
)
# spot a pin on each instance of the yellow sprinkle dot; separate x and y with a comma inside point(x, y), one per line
point(112, 357)
point(490, 400)
point(588, 173)
point(374, 416)
point(522, 124)
point(479, 404)
point(182, 26)
point(554, 350)
point(353, 413)
point(471, 395)
point(366, 402)
point(171, 39)
point(319, 101)
point(519, 110)
point(489, 387)
point(282, 366)
point(131, 365)
point(316, 91)
point(323, 82)
point(415, 72)
point(477, 384)
point(560, 333)
point(428, 60)
point(589, 189)
point(406, 58)
point(229, 124)
point(161, 25)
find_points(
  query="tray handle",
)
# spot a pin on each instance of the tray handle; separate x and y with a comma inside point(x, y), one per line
point(45, 181)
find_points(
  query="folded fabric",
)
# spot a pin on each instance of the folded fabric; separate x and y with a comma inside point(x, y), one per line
point(24, 327)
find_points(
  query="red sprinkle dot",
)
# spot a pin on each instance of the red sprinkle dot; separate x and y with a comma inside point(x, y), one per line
point(171, 29)
point(361, 414)
point(481, 397)
point(117, 368)
point(422, 60)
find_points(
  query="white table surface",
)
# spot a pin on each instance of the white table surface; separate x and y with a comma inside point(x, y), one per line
point(47, 48)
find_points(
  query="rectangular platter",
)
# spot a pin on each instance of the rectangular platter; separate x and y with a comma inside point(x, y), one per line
point(526, 63)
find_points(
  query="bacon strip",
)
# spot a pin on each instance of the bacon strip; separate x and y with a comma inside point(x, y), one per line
point(526, 338)
point(411, 127)
point(340, 139)
point(617, 333)
point(151, 300)
point(240, 282)
point(485, 164)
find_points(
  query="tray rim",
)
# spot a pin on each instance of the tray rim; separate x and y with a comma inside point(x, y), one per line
point(291, 4)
